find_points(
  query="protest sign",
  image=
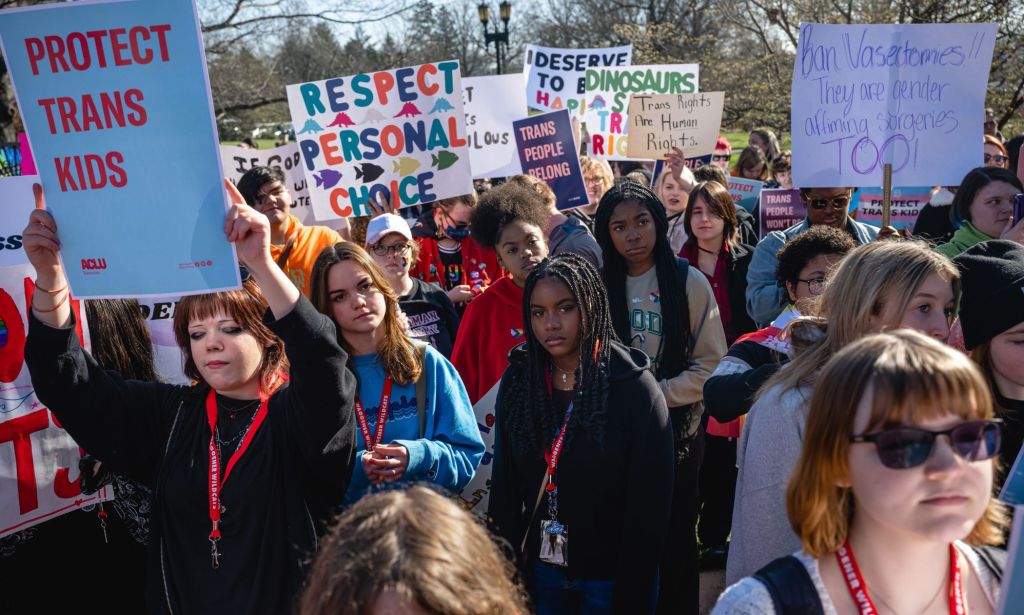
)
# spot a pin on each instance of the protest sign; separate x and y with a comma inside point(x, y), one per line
point(660, 122)
point(779, 210)
point(116, 103)
point(903, 211)
point(908, 95)
point(492, 103)
point(555, 77)
point(607, 95)
point(547, 151)
point(16, 196)
point(1011, 589)
point(158, 313)
point(476, 495)
point(1013, 488)
point(691, 163)
point(38, 459)
point(28, 165)
point(744, 192)
point(399, 131)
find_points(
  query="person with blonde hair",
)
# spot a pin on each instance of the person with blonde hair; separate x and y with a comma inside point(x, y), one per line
point(892, 495)
point(673, 187)
point(598, 178)
point(877, 287)
point(423, 427)
point(410, 551)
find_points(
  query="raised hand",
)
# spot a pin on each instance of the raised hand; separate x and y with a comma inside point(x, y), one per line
point(42, 246)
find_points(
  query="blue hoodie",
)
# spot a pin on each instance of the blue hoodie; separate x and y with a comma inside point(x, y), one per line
point(451, 447)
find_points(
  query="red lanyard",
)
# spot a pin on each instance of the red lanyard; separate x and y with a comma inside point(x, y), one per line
point(556, 449)
point(859, 589)
point(371, 440)
point(216, 482)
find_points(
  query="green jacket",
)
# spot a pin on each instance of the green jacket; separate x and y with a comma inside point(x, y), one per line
point(965, 237)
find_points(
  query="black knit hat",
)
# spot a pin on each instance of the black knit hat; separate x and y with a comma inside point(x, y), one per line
point(992, 298)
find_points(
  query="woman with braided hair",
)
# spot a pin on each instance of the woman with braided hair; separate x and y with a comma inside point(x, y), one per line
point(662, 306)
point(583, 452)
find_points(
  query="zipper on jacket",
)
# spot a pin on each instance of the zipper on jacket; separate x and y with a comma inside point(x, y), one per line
point(163, 576)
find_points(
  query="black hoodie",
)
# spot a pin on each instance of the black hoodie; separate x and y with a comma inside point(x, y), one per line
point(614, 497)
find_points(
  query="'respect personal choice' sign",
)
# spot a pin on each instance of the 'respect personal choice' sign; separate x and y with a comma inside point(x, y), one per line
point(116, 102)
point(660, 122)
point(372, 135)
point(492, 103)
point(38, 459)
point(905, 206)
point(547, 151)
point(608, 91)
point(908, 95)
point(18, 202)
point(555, 77)
point(780, 209)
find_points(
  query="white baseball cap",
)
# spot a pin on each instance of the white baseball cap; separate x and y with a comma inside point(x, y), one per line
point(384, 224)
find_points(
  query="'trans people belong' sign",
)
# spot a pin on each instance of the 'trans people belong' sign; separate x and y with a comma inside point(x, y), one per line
point(547, 151)
point(907, 95)
point(117, 106)
point(555, 77)
point(376, 134)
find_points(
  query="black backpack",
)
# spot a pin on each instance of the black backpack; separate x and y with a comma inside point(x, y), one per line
point(793, 591)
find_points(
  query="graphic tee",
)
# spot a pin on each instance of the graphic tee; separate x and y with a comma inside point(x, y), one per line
point(645, 323)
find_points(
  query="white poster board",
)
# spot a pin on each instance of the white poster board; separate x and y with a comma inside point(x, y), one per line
point(492, 103)
point(476, 495)
point(17, 203)
point(555, 77)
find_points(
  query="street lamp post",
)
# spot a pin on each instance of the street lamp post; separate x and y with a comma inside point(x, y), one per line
point(498, 37)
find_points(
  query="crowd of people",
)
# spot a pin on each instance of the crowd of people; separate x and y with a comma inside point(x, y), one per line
point(669, 393)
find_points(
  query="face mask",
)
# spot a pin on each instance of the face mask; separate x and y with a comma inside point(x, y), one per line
point(458, 231)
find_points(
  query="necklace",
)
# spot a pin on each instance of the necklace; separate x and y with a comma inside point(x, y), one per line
point(233, 413)
point(564, 374)
point(709, 251)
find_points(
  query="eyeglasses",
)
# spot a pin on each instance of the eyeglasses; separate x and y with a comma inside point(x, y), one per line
point(815, 286)
point(837, 202)
point(908, 447)
point(996, 158)
point(593, 181)
point(382, 250)
point(721, 157)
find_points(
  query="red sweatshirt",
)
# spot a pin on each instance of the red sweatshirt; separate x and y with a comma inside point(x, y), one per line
point(491, 327)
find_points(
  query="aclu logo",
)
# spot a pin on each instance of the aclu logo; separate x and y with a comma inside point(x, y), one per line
point(93, 266)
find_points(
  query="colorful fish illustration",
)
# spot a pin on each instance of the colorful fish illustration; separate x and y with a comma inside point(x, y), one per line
point(368, 172)
point(311, 126)
point(373, 115)
point(328, 178)
point(409, 110)
point(443, 159)
point(597, 103)
point(406, 166)
point(342, 120)
point(441, 106)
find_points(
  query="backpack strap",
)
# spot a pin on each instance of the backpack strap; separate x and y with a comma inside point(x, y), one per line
point(791, 588)
point(994, 559)
point(421, 390)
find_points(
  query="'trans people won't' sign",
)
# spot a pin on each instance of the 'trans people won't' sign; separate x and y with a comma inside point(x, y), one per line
point(907, 95)
point(688, 121)
point(371, 135)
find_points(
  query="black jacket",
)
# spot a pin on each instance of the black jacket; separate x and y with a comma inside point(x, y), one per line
point(736, 274)
point(293, 475)
point(614, 496)
point(729, 392)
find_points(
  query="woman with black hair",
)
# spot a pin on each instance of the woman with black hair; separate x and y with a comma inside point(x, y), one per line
point(984, 205)
point(583, 452)
point(663, 308)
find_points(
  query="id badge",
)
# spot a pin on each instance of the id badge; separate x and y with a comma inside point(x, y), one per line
point(554, 543)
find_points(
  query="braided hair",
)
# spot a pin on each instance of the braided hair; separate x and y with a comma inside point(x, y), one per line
point(532, 415)
point(676, 334)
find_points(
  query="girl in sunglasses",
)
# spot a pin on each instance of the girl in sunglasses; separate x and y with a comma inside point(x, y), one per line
point(878, 287)
point(891, 497)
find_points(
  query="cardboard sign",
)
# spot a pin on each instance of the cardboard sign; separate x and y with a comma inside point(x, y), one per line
point(660, 122)
point(16, 196)
point(476, 495)
point(116, 103)
point(38, 459)
point(780, 209)
point(906, 205)
point(376, 134)
point(745, 192)
point(908, 95)
point(492, 103)
point(555, 77)
point(608, 91)
point(547, 151)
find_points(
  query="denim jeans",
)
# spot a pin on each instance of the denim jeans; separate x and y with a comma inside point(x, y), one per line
point(554, 593)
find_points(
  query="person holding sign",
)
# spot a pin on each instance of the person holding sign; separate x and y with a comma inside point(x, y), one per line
point(673, 188)
point(667, 310)
point(264, 440)
point(984, 204)
point(293, 246)
point(583, 452)
point(510, 220)
point(423, 427)
point(892, 495)
point(827, 206)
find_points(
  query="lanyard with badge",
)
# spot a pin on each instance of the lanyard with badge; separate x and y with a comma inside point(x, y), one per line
point(554, 535)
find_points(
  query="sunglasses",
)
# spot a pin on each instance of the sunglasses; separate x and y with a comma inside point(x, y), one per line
point(908, 447)
point(997, 158)
point(721, 157)
point(837, 202)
